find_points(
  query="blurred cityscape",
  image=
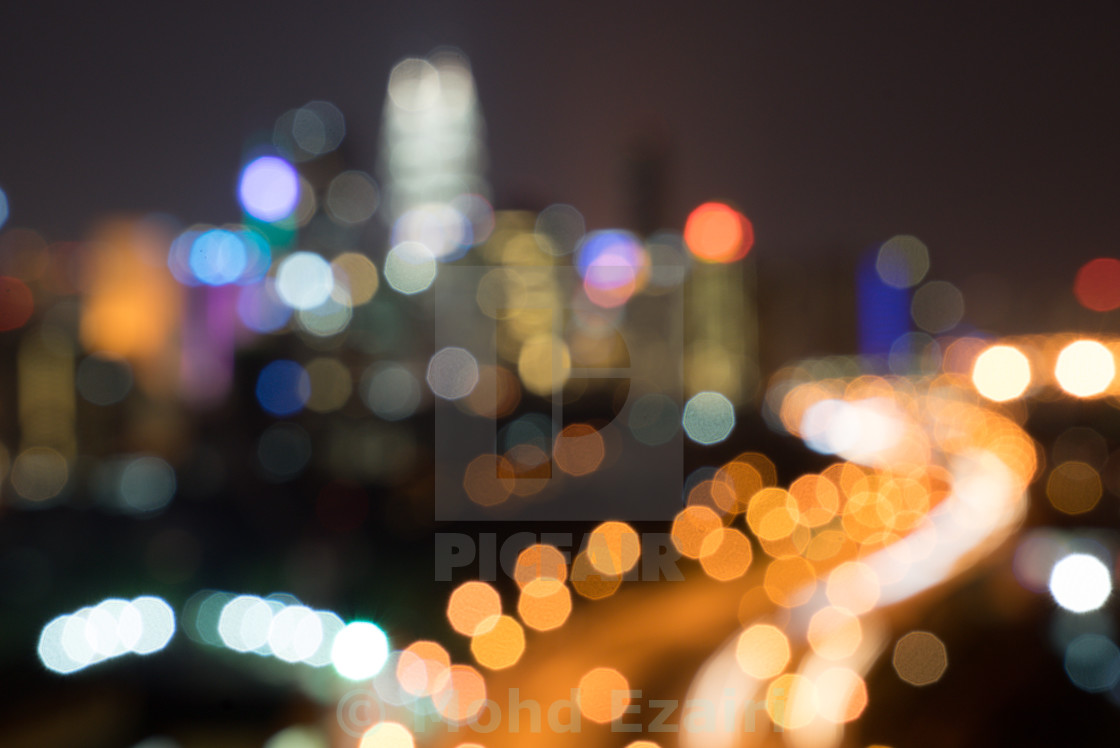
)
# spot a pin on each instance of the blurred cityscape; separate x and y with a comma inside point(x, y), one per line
point(386, 460)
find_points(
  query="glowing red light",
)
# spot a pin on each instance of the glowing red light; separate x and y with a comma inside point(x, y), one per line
point(1097, 285)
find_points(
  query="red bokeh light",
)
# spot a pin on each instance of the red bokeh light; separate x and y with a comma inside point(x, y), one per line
point(1097, 285)
point(16, 303)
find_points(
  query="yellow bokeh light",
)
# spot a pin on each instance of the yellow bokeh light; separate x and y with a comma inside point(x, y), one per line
point(691, 526)
point(1074, 487)
point(590, 582)
point(725, 554)
point(817, 499)
point(920, 658)
point(331, 384)
point(1001, 373)
point(790, 581)
point(544, 604)
point(387, 735)
point(500, 645)
point(357, 274)
point(544, 364)
point(613, 548)
point(791, 701)
point(472, 607)
point(603, 695)
point(742, 480)
point(1085, 368)
point(540, 561)
point(772, 514)
point(762, 651)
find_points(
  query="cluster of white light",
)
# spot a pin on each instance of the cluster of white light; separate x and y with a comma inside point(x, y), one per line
point(857, 431)
point(433, 146)
point(109, 629)
point(271, 627)
point(306, 283)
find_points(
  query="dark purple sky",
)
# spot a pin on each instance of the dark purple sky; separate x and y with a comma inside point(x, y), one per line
point(991, 133)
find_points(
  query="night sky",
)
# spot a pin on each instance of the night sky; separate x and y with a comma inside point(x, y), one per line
point(991, 133)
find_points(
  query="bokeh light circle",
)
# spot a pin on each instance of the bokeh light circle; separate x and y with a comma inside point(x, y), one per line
point(283, 387)
point(1001, 373)
point(452, 373)
point(1080, 583)
point(16, 303)
point(1092, 662)
point(1097, 285)
point(304, 280)
point(715, 232)
point(218, 257)
point(708, 418)
point(359, 651)
point(269, 189)
point(410, 268)
point(937, 307)
point(1085, 368)
point(390, 390)
point(902, 261)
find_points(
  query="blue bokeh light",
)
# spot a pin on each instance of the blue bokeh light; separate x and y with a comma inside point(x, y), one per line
point(283, 388)
point(217, 257)
point(607, 249)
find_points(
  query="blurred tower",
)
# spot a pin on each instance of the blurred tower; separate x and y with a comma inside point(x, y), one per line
point(721, 308)
point(432, 148)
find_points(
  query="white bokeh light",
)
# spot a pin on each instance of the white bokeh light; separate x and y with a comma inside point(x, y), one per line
point(304, 280)
point(452, 373)
point(269, 188)
point(410, 267)
point(359, 651)
point(1085, 368)
point(1080, 583)
point(111, 628)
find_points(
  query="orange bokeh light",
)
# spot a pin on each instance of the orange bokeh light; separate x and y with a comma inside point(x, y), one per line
point(419, 666)
point(473, 608)
point(579, 449)
point(603, 694)
point(715, 232)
